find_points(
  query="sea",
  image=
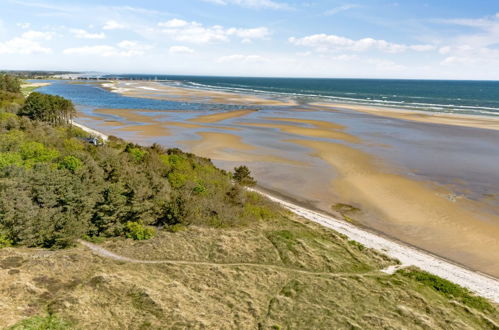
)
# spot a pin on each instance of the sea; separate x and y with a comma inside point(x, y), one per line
point(441, 96)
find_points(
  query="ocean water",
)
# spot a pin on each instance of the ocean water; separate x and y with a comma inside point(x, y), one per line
point(447, 96)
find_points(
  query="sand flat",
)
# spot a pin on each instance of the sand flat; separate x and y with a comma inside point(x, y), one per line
point(419, 116)
point(220, 116)
point(411, 210)
point(231, 147)
point(316, 132)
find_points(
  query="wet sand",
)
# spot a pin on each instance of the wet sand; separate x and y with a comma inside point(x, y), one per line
point(217, 117)
point(421, 213)
point(419, 116)
point(231, 148)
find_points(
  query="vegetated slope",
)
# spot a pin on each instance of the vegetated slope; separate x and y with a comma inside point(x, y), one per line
point(281, 272)
point(228, 258)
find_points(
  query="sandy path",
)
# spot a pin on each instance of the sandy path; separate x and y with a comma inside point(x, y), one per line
point(99, 250)
point(482, 285)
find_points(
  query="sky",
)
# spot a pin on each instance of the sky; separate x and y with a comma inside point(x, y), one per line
point(433, 39)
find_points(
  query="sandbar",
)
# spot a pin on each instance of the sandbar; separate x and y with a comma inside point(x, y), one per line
point(220, 116)
point(419, 116)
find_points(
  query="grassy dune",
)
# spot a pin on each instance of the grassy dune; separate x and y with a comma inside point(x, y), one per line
point(281, 273)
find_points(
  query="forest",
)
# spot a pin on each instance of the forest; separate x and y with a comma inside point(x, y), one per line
point(56, 188)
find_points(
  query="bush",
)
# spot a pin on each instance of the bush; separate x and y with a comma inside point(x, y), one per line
point(242, 175)
point(70, 163)
point(10, 158)
point(4, 241)
point(137, 231)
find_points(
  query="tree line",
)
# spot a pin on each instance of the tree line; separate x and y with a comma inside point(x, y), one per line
point(56, 188)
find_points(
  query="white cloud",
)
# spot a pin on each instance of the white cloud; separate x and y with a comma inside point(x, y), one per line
point(113, 25)
point(82, 34)
point(173, 23)
point(28, 43)
point(125, 48)
point(194, 32)
point(324, 42)
point(339, 9)
point(241, 59)
point(34, 35)
point(180, 50)
point(24, 25)
point(269, 4)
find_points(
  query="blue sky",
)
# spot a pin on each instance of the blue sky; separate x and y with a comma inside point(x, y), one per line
point(435, 39)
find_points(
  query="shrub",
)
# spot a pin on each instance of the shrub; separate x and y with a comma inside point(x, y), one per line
point(10, 158)
point(4, 241)
point(37, 152)
point(137, 231)
point(71, 163)
point(242, 175)
point(137, 153)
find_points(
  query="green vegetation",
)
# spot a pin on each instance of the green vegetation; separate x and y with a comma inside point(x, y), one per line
point(48, 108)
point(49, 322)
point(138, 231)
point(447, 288)
point(242, 175)
point(56, 188)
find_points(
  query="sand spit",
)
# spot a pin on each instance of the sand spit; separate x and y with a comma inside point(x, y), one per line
point(412, 210)
point(419, 116)
point(155, 90)
point(481, 284)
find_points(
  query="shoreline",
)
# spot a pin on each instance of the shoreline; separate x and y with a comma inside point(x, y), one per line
point(482, 284)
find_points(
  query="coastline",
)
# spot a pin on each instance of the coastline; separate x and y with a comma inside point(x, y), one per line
point(481, 284)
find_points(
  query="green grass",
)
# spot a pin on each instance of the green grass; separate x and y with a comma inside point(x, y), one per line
point(48, 322)
point(447, 288)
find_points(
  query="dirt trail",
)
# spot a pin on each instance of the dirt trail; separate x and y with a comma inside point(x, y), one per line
point(111, 255)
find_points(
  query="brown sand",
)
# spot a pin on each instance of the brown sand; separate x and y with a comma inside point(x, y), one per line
point(411, 210)
point(132, 115)
point(220, 116)
point(150, 130)
point(310, 131)
point(230, 147)
point(316, 123)
point(419, 116)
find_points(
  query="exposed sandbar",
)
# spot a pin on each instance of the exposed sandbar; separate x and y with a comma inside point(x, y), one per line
point(320, 130)
point(231, 147)
point(420, 116)
point(220, 116)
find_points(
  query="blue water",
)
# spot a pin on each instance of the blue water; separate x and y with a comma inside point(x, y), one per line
point(449, 96)
point(92, 96)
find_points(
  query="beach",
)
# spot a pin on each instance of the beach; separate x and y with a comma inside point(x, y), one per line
point(426, 179)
